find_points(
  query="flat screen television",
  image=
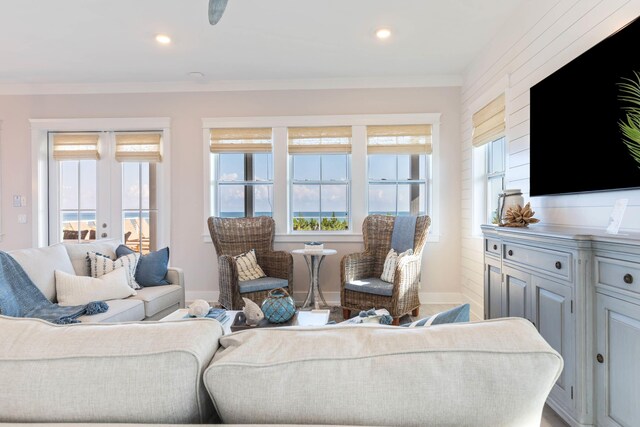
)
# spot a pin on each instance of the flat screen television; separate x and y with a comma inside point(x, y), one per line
point(577, 142)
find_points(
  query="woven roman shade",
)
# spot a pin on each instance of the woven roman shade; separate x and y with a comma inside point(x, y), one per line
point(399, 139)
point(138, 147)
point(320, 140)
point(75, 146)
point(489, 122)
point(241, 140)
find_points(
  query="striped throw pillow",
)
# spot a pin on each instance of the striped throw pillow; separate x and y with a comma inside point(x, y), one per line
point(99, 265)
point(454, 315)
point(248, 268)
point(390, 263)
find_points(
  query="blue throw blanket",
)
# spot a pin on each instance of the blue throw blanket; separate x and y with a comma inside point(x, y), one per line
point(20, 297)
point(404, 231)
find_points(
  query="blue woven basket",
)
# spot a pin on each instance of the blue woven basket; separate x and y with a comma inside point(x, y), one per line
point(278, 307)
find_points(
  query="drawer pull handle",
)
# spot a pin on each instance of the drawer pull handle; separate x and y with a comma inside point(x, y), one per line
point(558, 265)
point(600, 358)
point(495, 247)
point(510, 253)
point(628, 279)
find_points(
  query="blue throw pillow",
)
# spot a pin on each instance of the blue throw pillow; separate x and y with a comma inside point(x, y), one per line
point(454, 315)
point(151, 269)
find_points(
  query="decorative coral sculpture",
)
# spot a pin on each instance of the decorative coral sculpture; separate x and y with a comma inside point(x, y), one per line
point(519, 216)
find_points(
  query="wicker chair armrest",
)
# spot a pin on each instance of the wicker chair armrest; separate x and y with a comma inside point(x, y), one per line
point(227, 269)
point(277, 264)
point(356, 266)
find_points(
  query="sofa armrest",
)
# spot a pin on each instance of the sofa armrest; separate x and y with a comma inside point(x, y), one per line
point(175, 276)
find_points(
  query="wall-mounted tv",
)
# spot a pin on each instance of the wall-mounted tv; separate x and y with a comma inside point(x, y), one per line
point(585, 120)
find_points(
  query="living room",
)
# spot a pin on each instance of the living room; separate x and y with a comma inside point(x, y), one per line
point(161, 67)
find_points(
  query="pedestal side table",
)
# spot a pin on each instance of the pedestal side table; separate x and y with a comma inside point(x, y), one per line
point(314, 259)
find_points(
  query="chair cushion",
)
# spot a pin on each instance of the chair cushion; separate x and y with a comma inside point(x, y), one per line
point(157, 298)
point(371, 285)
point(262, 284)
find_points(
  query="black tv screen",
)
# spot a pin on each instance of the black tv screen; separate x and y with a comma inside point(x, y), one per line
point(577, 140)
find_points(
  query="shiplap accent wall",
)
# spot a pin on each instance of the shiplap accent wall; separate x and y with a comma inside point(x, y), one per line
point(541, 37)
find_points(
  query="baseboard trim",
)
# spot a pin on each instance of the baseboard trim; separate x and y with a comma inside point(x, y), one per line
point(333, 298)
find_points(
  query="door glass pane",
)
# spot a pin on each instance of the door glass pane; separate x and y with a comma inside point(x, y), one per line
point(70, 225)
point(87, 184)
point(231, 199)
point(306, 167)
point(382, 167)
point(334, 167)
point(88, 225)
point(231, 167)
point(132, 230)
point(69, 184)
point(130, 185)
point(382, 199)
point(145, 189)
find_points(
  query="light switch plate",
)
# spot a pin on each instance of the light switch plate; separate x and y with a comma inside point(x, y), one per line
point(17, 200)
point(23, 201)
point(22, 219)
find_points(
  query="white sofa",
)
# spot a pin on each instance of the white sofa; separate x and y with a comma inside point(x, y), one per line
point(150, 303)
point(491, 373)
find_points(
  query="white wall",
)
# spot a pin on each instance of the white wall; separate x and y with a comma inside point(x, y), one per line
point(441, 277)
point(541, 37)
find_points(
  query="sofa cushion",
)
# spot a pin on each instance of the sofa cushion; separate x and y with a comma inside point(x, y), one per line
point(78, 290)
point(371, 285)
point(143, 372)
point(78, 253)
point(120, 310)
point(152, 267)
point(498, 371)
point(262, 284)
point(40, 263)
point(157, 298)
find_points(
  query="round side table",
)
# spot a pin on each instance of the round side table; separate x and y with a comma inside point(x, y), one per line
point(314, 259)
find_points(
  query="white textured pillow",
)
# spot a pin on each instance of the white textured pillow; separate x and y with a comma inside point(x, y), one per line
point(79, 290)
point(390, 263)
point(248, 268)
point(101, 265)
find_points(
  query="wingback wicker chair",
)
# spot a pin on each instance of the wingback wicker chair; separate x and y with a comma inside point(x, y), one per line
point(358, 267)
point(233, 236)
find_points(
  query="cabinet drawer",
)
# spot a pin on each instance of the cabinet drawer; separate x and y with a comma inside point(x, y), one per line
point(554, 262)
point(492, 246)
point(620, 274)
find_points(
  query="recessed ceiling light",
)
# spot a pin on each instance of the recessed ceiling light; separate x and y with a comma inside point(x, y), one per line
point(383, 33)
point(163, 39)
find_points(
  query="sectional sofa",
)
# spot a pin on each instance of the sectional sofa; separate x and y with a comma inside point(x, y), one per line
point(490, 373)
point(150, 303)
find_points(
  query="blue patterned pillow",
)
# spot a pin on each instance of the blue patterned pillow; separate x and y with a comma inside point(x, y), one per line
point(454, 315)
point(152, 268)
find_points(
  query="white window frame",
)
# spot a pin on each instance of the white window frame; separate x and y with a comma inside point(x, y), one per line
point(490, 147)
point(479, 155)
point(40, 159)
point(358, 202)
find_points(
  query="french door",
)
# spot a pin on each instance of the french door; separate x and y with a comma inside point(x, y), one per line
point(95, 194)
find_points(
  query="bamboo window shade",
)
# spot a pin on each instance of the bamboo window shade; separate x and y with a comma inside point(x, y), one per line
point(320, 140)
point(489, 122)
point(138, 147)
point(241, 140)
point(76, 146)
point(399, 139)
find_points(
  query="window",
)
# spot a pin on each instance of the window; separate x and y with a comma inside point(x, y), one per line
point(86, 203)
point(398, 169)
point(320, 181)
point(489, 129)
point(242, 162)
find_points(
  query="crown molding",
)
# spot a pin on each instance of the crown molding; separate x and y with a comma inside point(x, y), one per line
point(230, 85)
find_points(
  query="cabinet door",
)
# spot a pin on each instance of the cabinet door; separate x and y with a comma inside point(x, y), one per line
point(618, 376)
point(553, 317)
point(516, 293)
point(492, 288)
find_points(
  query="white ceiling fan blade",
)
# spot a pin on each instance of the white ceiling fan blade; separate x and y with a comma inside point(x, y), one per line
point(216, 9)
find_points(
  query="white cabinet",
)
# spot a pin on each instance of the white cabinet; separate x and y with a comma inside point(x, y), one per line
point(581, 288)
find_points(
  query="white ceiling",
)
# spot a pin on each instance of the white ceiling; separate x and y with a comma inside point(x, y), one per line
point(112, 41)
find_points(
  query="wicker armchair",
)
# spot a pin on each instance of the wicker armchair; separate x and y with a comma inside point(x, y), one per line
point(358, 267)
point(233, 236)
